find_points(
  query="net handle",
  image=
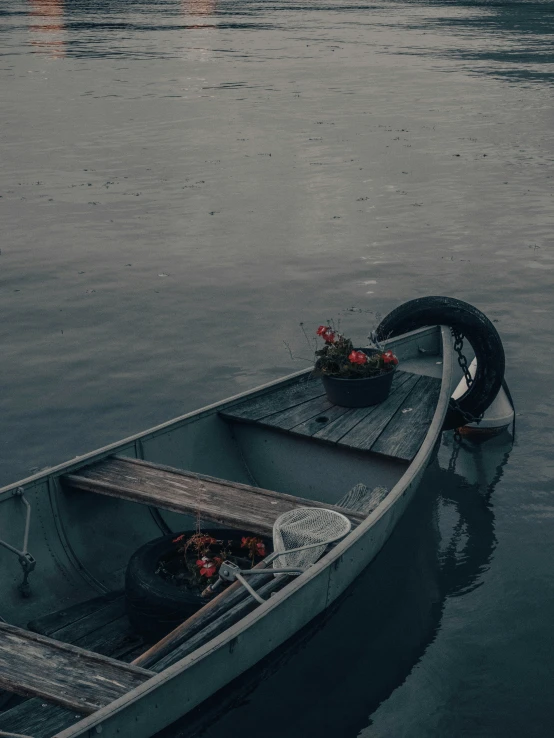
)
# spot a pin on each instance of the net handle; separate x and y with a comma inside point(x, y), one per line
point(287, 551)
point(326, 542)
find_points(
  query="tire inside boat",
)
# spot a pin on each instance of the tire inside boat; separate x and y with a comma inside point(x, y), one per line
point(479, 332)
point(155, 606)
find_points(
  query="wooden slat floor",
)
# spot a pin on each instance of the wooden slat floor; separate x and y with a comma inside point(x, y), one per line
point(396, 428)
point(99, 625)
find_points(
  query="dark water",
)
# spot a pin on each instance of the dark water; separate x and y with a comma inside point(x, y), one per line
point(182, 183)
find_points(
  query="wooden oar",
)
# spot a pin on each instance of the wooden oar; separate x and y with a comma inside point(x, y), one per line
point(228, 618)
point(203, 617)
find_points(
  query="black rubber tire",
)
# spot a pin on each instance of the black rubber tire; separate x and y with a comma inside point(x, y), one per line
point(478, 330)
point(155, 606)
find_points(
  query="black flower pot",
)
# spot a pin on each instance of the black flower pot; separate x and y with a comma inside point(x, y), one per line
point(358, 392)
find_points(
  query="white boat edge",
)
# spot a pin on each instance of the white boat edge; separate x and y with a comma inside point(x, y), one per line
point(498, 416)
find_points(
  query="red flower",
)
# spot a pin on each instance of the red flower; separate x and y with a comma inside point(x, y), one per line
point(207, 567)
point(255, 545)
point(390, 358)
point(179, 538)
point(326, 333)
point(357, 357)
point(260, 548)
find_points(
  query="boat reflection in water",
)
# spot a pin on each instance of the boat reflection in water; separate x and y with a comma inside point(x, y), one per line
point(331, 677)
point(47, 27)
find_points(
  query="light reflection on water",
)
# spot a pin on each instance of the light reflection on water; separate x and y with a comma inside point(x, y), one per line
point(518, 34)
point(183, 182)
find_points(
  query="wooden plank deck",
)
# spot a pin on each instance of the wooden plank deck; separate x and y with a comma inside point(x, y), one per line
point(37, 718)
point(100, 625)
point(396, 428)
point(34, 665)
point(216, 500)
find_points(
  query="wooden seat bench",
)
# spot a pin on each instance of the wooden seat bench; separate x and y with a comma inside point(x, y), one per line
point(217, 500)
point(395, 428)
point(34, 665)
point(98, 624)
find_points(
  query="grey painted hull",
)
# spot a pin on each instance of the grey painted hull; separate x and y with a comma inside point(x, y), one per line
point(68, 532)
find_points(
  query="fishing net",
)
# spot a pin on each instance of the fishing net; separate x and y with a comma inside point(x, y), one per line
point(315, 527)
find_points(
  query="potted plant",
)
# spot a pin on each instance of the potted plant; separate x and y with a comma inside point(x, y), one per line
point(167, 579)
point(353, 377)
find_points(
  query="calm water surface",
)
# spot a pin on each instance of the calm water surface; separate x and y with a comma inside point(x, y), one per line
point(183, 182)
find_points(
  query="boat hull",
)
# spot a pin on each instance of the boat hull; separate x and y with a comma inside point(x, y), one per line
point(169, 695)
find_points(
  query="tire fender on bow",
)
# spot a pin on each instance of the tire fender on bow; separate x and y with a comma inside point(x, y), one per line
point(479, 332)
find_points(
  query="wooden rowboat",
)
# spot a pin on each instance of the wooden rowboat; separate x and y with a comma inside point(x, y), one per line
point(68, 648)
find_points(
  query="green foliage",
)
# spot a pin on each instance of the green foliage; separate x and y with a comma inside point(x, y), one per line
point(339, 358)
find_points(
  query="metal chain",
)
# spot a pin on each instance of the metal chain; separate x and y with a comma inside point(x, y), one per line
point(457, 444)
point(462, 361)
point(468, 417)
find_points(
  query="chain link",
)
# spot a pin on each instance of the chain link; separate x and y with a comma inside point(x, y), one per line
point(462, 361)
point(456, 446)
point(468, 417)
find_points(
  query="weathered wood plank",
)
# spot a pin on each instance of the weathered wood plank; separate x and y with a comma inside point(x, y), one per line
point(115, 639)
point(38, 719)
point(287, 419)
point(217, 500)
point(224, 621)
point(105, 629)
point(364, 435)
point(362, 498)
point(338, 427)
point(333, 431)
point(34, 665)
point(406, 431)
point(49, 624)
point(357, 428)
point(280, 399)
point(73, 632)
point(210, 612)
point(311, 426)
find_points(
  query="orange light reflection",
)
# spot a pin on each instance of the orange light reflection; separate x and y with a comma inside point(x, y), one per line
point(48, 28)
point(198, 7)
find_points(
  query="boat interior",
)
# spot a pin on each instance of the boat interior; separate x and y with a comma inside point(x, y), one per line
point(67, 647)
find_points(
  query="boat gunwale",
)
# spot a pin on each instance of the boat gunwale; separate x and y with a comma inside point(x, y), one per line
point(416, 467)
